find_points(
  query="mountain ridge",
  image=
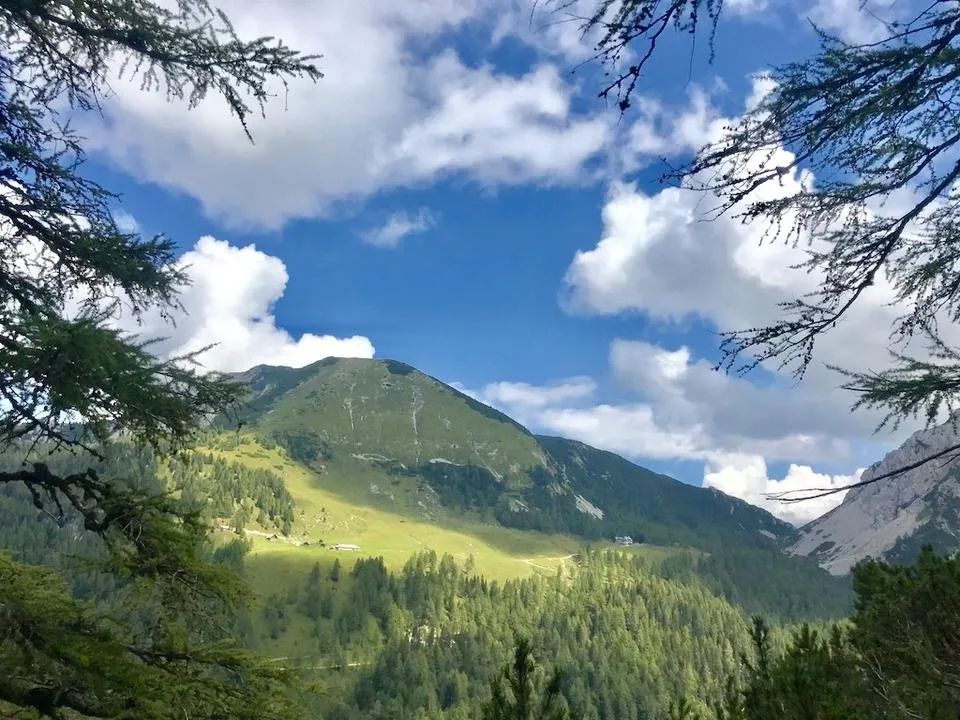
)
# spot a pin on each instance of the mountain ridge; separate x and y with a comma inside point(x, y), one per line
point(893, 518)
point(412, 424)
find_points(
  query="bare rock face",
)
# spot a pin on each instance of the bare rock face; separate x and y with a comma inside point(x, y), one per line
point(894, 517)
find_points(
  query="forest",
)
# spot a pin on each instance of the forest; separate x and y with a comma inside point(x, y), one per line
point(629, 638)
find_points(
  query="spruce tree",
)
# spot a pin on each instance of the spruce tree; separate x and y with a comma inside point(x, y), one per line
point(516, 691)
point(69, 380)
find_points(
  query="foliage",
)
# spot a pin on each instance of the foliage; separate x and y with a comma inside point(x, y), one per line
point(223, 489)
point(760, 581)
point(907, 632)
point(68, 266)
point(81, 660)
point(425, 642)
point(897, 657)
point(515, 695)
point(70, 378)
point(860, 125)
point(138, 620)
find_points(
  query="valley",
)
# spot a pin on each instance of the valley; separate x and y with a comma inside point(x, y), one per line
point(460, 478)
point(396, 533)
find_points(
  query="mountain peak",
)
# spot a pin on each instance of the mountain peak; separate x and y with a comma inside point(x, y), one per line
point(894, 517)
point(388, 414)
point(389, 408)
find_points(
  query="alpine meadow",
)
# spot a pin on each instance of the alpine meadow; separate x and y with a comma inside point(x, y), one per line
point(480, 360)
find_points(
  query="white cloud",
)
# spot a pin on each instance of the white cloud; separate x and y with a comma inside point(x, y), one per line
point(522, 397)
point(662, 255)
point(498, 129)
point(747, 7)
point(391, 111)
point(657, 130)
point(230, 302)
point(569, 408)
point(398, 226)
point(778, 420)
point(629, 429)
point(126, 222)
point(858, 21)
point(746, 477)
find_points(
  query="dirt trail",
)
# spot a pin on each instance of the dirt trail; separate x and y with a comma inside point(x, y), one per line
point(531, 563)
point(260, 533)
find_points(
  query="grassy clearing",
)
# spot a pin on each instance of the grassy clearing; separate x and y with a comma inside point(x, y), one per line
point(336, 506)
point(330, 511)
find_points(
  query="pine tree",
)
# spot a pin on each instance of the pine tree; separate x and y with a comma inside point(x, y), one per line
point(515, 691)
point(70, 380)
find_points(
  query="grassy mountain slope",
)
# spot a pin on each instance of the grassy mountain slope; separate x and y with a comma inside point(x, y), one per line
point(389, 413)
point(391, 437)
point(391, 442)
point(329, 511)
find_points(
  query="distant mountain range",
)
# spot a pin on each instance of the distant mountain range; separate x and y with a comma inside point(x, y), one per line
point(896, 516)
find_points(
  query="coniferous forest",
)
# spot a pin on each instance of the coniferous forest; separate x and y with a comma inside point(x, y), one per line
point(151, 568)
point(611, 636)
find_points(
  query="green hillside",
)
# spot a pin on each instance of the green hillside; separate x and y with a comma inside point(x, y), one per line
point(388, 435)
point(329, 511)
point(386, 413)
point(409, 463)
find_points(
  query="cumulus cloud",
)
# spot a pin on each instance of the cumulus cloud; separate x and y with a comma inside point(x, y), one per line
point(858, 21)
point(663, 255)
point(778, 420)
point(523, 397)
point(746, 477)
point(229, 303)
point(398, 226)
point(126, 222)
point(394, 109)
point(657, 130)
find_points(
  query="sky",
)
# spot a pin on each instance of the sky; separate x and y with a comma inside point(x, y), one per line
point(453, 194)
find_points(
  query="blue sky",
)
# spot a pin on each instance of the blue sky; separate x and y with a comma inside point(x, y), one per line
point(452, 196)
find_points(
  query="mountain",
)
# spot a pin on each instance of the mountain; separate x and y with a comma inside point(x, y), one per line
point(387, 412)
point(385, 436)
point(451, 453)
point(894, 518)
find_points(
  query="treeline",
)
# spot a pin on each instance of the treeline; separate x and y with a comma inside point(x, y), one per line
point(423, 643)
point(201, 482)
point(751, 572)
point(232, 490)
point(762, 581)
point(896, 658)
